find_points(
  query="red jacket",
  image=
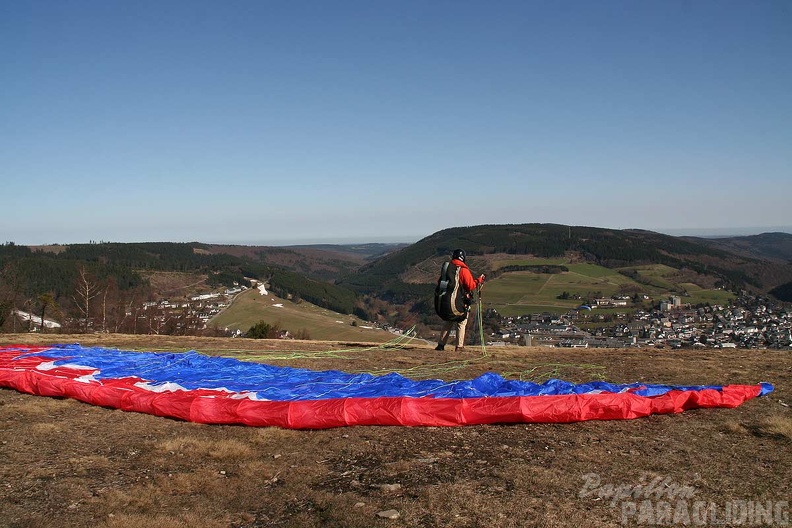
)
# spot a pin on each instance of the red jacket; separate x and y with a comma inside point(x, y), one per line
point(466, 277)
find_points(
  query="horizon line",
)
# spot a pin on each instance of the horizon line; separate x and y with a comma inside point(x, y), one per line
point(704, 232)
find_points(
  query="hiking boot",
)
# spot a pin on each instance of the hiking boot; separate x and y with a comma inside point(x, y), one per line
point(459, 349)
point(440, 346)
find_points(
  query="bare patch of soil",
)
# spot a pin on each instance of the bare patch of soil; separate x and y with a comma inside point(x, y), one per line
point(65, 463)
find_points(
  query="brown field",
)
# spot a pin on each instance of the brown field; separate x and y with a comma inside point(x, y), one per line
point(66, 463)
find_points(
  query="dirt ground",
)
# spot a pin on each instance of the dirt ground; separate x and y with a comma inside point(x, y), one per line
point(66, 463)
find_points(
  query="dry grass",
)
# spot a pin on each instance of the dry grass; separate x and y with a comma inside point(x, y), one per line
point(185, 520)
point(777, 425)
point(195, 447)
point(70, 464)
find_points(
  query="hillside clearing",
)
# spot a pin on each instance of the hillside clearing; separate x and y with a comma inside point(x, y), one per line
point(71, 464)
point(250, 307)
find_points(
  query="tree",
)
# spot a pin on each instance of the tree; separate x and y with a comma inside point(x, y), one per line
point(262, 330)
point(86, 291)
point(46, 300)
point(5, 310)
point(110, 303)
point(11, 283)
point(303, 334)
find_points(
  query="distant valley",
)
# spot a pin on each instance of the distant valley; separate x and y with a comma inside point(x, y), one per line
point(532, 268)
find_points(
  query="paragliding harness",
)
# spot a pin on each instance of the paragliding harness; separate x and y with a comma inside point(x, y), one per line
point(451, 300)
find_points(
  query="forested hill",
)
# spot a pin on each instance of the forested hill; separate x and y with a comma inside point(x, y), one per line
point(27, 276)
point(357, 279)
point(773, 246)
point(606, 247)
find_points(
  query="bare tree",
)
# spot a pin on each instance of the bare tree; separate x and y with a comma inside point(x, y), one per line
point(104, 309)
point(120, 311)
point(86, 291)
point(109, 295)
point(28, 305)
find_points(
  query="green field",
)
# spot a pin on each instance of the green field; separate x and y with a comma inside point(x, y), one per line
point(591, 270)
point(521, 292)
point(656, 276)
point(524, 292)
point(698, 295)
point(250, 307)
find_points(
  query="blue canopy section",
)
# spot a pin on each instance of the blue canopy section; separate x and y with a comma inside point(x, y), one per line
point(195, 371)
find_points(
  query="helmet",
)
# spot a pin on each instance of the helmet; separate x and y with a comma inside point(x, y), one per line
point(458, 254)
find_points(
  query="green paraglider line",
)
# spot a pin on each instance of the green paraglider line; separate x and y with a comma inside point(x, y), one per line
point(397, 343)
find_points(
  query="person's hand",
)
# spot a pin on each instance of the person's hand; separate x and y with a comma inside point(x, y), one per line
point(481, 278)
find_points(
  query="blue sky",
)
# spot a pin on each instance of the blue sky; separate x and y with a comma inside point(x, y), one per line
point(264, 122)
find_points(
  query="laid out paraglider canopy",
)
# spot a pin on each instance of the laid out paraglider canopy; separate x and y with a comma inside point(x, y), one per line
point(219, 390)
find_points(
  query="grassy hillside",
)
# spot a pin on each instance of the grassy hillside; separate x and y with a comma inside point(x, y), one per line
point(303, 318)
point(522, 292)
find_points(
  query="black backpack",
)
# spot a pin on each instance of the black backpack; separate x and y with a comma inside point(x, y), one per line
point(451, 300)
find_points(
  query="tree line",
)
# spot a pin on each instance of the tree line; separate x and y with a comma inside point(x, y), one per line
point(101, 287)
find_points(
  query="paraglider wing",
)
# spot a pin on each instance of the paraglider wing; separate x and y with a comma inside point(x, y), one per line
point(217, 390)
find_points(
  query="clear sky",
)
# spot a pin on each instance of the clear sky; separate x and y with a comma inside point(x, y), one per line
point(276, 122)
